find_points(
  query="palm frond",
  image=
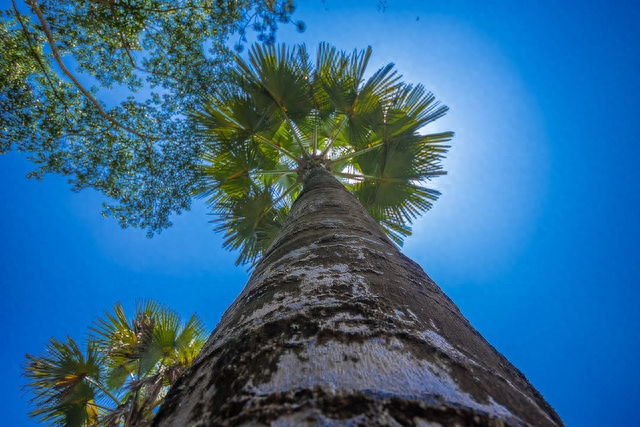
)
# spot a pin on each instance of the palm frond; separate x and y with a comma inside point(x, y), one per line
point(190, 341)
point(250, 222)
point(59, 386)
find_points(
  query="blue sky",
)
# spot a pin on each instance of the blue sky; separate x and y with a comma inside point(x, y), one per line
point(535, 237)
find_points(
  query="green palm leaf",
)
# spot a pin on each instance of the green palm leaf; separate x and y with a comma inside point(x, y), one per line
point(62, 384)
point(251, 222)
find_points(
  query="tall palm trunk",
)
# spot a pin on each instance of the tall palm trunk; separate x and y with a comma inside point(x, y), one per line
point(337, 327)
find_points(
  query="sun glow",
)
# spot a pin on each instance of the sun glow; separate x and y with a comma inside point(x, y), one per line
point(497, 166)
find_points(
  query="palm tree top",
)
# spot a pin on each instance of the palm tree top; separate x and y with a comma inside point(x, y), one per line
point(281, 113)
point(121, 376)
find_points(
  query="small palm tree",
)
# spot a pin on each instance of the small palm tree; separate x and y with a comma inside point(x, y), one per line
point(280, 115)
point(122, 375)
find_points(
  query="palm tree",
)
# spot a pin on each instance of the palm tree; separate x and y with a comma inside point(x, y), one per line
point(335, 326)
point(123, 374)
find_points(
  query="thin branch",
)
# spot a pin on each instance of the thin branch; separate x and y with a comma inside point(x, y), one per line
point(85, 92)
point(127, 50)
point(242, 31)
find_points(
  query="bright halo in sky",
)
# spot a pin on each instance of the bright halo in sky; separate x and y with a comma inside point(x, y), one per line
point(498, 165)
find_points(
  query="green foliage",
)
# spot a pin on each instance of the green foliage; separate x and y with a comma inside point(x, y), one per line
point(97, 90)
point(60, 385)
point(122, 375)
point(279, 111)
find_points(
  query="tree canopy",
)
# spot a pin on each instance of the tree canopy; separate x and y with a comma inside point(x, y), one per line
point(121, 375)
point(98, 90)
point(281, 111)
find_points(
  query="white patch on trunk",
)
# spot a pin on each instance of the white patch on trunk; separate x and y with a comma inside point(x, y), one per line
point(315, 278)
point(372, 366)
point(315, 283)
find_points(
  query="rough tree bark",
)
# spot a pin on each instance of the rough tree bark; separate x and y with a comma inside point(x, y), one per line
point(337, 327)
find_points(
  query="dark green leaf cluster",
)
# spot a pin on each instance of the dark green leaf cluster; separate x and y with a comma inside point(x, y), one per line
point(123, 374)
point(98, 90)
point(282, 111)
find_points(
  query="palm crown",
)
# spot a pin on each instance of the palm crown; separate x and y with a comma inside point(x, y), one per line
point(123, 374)
point(280, 114)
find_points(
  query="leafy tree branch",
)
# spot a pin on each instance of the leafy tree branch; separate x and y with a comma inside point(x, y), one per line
point(56, 54)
